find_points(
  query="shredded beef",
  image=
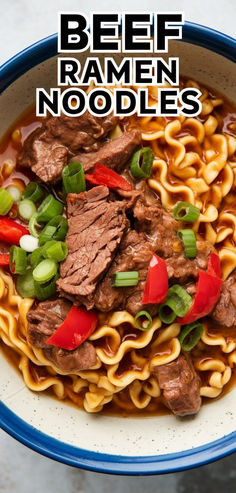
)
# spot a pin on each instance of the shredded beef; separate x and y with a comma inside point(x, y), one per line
point(181, 386)
point(47, 149)
point(224, 312)
point(96, 227)
point(42, 323)
point(113, 154)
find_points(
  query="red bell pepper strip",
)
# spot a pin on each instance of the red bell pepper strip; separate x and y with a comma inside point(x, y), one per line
point(4, 259)
point(214, 265)
point(11, 231)
point(76, 328)
point(208, 292)
point(156, 286)
point(106, 176)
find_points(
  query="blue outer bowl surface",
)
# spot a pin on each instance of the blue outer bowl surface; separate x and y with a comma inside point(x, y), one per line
point(55, 449)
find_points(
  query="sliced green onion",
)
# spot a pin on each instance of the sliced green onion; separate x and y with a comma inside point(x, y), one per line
point(29, 243)
point(36, 257)
point(141, 163)
point(33, 224)
point(47, 289)
point(46, 246)
point(177, 303)
point(49, 208)
point(55, 229)
point(33, 192)
point(73, 178)
point(6, 201)
point(190, 335)
point(14, 192)
point(129, 278)
point(184, 211)
point(17, 260)
point(56, 250)
point(45, 270)
point(46, 234)
point(143, 313)
point(167, 309)
point(186, 299)
point(189, 240)
point(26, 209)
point(25, 285)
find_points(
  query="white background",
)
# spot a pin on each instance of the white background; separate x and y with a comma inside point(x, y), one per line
point(22, 22)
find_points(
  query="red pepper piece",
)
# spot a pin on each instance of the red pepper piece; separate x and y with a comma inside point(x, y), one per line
point(106, 176)
point(214, 265)
point(156, 286)
point(76, 328)
point(4, 259)
point(208, 292)
point(11, 231)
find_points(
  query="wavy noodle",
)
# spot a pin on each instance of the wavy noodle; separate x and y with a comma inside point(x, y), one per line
point(195, 162)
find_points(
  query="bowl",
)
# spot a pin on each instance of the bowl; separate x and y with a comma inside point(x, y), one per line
point(147, 445)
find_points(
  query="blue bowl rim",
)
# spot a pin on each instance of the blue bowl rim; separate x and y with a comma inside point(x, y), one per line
point(47, 47)
point(45, 444)
point(109, 463)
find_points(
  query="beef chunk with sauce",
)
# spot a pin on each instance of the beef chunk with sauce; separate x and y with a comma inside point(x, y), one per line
point(135, 253)
point(47, 149)
point(182, 270)
point(96, 227)
point(42, 323)
point(181, 386)
point(158, 224)
point(113, 154)
point(224, 312)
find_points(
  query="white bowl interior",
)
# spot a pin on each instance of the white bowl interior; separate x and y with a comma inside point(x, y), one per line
point(116, 435)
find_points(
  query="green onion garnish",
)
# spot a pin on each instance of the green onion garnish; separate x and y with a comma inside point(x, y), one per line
point(45, 270)
point(33, 224)
point(6, 201)
point(129, 278)
point(73, 178)
point(36, 257)
point(25, 285)
point(45, 290)
point(26, 209)
point(189, 240)
point(49, 208)
point(33, 192)
point(177, 303)
point(55, 229)
point(17, 260)
point(141, 163)
point(46, 234)
point(190, 335)
point(56, 250)
point(145, 314)
point(14, 192)
point(184, 211)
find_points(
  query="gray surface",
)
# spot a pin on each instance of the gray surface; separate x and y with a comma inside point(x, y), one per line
point(24, 471)
point(21, 470)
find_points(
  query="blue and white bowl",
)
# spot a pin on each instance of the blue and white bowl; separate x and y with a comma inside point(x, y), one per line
point(101, 443)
